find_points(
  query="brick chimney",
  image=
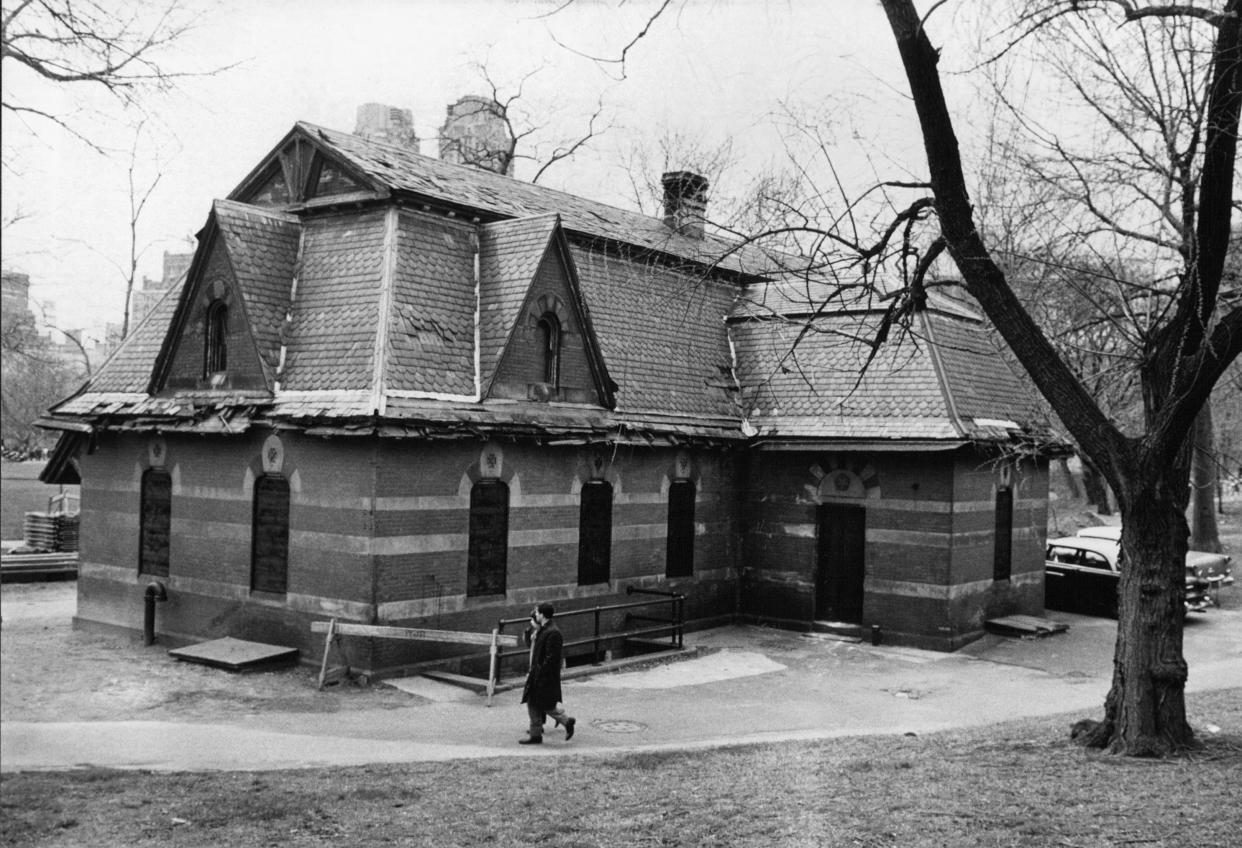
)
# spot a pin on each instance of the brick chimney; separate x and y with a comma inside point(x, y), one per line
point(685, 202)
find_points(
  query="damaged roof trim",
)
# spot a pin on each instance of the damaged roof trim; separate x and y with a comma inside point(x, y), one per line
point(61, 424)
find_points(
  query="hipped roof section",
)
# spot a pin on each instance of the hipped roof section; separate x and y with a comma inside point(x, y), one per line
point(940, 378)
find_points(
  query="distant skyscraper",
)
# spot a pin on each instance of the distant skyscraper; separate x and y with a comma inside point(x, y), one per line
point(16, 293)
point(380, 122)
point(175, 267)
point(475, 133)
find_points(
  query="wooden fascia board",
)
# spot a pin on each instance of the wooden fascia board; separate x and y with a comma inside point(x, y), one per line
point(388, 273)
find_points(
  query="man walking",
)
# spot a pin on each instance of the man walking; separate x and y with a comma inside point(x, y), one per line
point(542, 694)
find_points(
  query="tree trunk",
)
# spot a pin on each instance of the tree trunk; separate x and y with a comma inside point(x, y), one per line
point(1097, 489)
point(1145, 712)
point(1204, 535)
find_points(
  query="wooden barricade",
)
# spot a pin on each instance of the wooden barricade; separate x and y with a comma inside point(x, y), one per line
point(335, 630)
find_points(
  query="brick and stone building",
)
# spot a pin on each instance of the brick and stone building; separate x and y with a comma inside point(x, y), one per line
point(151, 291)
point(475, 132)
point(402, 391)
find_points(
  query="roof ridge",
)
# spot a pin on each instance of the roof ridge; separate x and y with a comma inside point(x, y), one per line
point(474, 171)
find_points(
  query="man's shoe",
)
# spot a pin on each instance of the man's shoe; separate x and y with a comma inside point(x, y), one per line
point(531, 740)
point(569, 728)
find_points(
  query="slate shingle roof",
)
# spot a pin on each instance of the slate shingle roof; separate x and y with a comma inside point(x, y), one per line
point(662, 335)
point(930, 383)
point(977, 375)
point(129, 368)
point(395, 290)
point(332, 338)
point(430, 344)
point(811, 386)
point(402, 169)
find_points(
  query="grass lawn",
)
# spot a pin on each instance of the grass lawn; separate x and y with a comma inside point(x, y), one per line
point(1016, 784)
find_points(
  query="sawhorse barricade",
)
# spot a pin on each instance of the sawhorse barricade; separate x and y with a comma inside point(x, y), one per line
point(335, 630)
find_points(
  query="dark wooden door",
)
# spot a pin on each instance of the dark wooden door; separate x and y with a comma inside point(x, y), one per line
point(841, 566)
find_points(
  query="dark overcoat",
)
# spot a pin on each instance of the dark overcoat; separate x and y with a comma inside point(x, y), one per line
point(543, 682)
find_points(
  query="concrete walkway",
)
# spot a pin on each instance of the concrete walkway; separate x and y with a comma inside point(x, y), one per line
point(750, 685)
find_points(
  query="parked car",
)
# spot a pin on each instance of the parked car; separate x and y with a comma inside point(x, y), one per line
point(1081, 575)
point(1217, 569)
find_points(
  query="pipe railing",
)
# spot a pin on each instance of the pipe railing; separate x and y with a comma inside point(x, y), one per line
point(673, 625)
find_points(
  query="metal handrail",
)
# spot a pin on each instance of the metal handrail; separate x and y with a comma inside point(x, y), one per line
point(675, 623)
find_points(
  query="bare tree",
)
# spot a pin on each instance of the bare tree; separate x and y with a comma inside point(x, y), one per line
point(36, 372)
point(141, 183)
point(1187, 350)
point(119, 48)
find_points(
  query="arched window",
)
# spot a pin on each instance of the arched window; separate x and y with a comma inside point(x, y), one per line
point(489, 538)
point(215, 338)
point(550, 348)
point(269, 535)
point(680, 557)
point(595, 533)
point(154, 522)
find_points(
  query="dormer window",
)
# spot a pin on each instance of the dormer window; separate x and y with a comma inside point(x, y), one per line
point(550, 348)
point(215, 339)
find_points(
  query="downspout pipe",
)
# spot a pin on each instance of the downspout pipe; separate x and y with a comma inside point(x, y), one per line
point(155, 592)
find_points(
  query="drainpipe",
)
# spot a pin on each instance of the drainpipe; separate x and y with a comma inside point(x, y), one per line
point(155, 592)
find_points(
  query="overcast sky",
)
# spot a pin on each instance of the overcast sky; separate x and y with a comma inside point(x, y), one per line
point(715, 69)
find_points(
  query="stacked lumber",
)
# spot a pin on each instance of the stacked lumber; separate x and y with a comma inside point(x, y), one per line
point(50, 531)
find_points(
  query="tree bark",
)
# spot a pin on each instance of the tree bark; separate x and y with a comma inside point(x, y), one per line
point(1145, 711)
point(1204, 534)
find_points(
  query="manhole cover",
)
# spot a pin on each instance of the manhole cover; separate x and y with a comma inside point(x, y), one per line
point(618, 725)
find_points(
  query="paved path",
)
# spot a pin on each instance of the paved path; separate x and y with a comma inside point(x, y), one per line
point(754, 685)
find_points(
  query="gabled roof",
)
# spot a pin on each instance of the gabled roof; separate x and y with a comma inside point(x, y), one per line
point(510, 253)
point(388, 167)
point(260, 250)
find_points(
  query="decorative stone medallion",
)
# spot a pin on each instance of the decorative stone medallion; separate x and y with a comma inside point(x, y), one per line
point(273, 455)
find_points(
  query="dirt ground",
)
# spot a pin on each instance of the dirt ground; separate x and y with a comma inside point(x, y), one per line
point(55, 673)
